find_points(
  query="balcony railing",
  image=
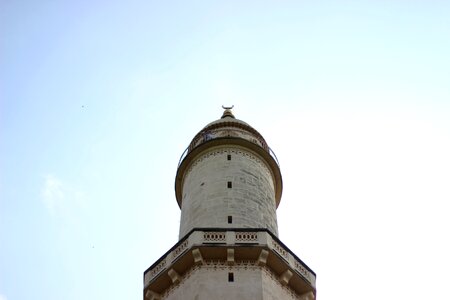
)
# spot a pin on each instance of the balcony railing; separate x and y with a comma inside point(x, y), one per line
point(228, 237)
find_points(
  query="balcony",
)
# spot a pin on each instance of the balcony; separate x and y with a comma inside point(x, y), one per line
point(229, 246)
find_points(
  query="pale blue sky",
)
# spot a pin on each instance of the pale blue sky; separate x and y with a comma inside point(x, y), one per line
point(98, 99)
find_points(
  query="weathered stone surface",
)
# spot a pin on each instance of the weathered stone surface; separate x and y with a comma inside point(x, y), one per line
point(249, 283)
point(208, 199)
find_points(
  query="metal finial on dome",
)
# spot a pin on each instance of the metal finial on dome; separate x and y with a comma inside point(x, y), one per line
point(227, 112)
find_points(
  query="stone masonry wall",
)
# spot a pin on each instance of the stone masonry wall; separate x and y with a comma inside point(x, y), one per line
point(212, 281)
point(228, 187)
point(206, 283)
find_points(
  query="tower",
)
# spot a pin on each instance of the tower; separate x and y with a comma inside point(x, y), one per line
point(228, 185)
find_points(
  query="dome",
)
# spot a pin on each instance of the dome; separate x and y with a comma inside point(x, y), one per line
point(228, 127)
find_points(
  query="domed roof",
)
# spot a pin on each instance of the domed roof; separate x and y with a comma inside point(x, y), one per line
point(227, 116)
point(228, 127)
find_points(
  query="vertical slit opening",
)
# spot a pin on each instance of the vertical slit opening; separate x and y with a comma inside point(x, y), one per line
point(230, 277)
point(230, 219)
point(229, 156)
point(229, 185)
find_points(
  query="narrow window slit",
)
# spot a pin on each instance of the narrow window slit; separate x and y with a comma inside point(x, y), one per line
point(230, 219)
point(229, 156)
point(229, 185)
point(230, 277)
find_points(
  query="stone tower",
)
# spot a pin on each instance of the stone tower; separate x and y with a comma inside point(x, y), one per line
point(228, 186)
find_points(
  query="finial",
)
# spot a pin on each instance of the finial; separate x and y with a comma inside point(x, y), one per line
point(227, 112)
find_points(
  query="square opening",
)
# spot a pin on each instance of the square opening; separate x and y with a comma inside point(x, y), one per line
point(230, 219)
point(229, 185)
point(230, 277)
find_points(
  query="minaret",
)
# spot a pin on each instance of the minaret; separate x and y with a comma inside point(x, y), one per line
point(228, 186)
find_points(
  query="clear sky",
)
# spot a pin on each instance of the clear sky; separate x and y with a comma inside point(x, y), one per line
point(98, 99)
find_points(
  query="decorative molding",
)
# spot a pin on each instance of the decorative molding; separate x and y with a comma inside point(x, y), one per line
point(198, 258)
point(302, 270)
point(214, 237)
point(280, 250)
point(151, 295)
point(228, 129)
point(158, 269)
point(180, 249)
point(228, 150)
point(222, 265)
point(230, 256)
point(230, 240)
point(285, 277)
point(262, 259)
point(275, 279)
point(174, 276)
point(245, 237)
point(308, 296)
